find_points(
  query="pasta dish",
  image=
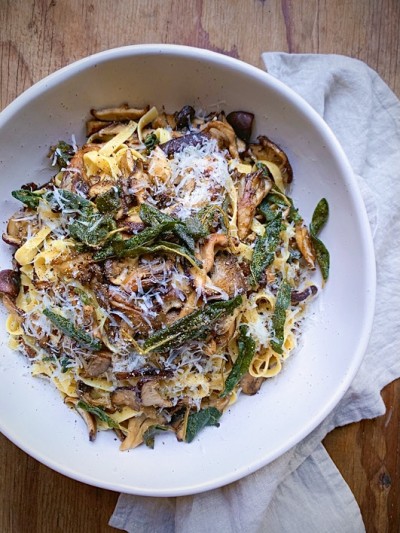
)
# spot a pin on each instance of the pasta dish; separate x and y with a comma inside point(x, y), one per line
point(163, 271)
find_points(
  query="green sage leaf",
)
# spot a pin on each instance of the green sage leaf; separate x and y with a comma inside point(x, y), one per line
point(70, 330)
point(197, 421)
point(279, 316)
point(247, 348)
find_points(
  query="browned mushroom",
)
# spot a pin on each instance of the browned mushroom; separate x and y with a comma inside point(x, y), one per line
point(269, 151)
point(228, 275)
point(250, 385)
point(150, 396)
point(10, 283)
point(98, 364)
point(208, 250)
point(224, 134)
point(252, 190)
point(124, 112)
point(102, 131)
point(242, 123)
point(184, 117)
point(125, 397)
point(179, 143)
point(300, 296)
point(303, 240)
point(17, 227)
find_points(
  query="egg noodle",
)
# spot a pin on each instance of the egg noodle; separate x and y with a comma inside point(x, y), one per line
point(162, 271)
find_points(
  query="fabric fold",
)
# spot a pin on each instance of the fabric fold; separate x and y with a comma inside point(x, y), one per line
point(281, 497)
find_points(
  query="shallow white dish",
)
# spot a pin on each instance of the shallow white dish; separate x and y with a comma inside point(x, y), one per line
point(257, 429)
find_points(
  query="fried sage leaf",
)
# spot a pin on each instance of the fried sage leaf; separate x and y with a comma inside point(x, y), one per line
point(162, 246)
point(197, 421)
point(318, 221)
point(92, 229)
point(29, 198)
point(247, 348)
point(126, 247)
point(99, 413)
point(264, 248)
point(69, 200)
point(109, 201)
point(152, 216)
point(69, 329)
point(320, 217)
point(62, 153)
point(190, 327)
point(279, 317)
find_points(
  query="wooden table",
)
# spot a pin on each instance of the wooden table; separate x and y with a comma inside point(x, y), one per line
point(39, 36)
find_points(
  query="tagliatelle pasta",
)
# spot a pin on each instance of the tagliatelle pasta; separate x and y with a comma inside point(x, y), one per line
point(163, 271)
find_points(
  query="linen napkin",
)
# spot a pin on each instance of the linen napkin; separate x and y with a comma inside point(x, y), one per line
point(302, 490)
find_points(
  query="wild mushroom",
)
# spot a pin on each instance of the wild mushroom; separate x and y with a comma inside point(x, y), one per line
point(179, 143)
point(225, 135)
point(10, 283)
point(17, 227)
point(118, 114)
point(250, 385)
point(303, 241)
point(150, 396)
point(184, 117)
point(98, 364)
point(98, 130)
point(242, 123)
point(228, 275)
point(125, 397)
point(208, 250)
point(252, 190)
point(299, 296)
point(269, 151)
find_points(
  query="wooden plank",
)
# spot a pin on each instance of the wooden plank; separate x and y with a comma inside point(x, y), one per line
point(39, 36)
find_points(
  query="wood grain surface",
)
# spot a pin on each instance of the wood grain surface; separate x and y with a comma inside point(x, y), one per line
point(39, 36)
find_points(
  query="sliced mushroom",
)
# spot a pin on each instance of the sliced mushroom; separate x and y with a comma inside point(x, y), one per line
point(98, 364)
point(224, 134)
point(250, 385)
point(125, 396)
point(118, 114)
point(269, 151)
point(184, 117)
point(89, 419)
point(242, 123)
point(17, 227)
point(300, 296)
point(208, 250)
point(253, 188)
point(228, 275)
point(179, 143)
point(150, 396)
point(164, 121)
point(10, 283)
point(101, 187)
point(303, 240)
point(102, 131)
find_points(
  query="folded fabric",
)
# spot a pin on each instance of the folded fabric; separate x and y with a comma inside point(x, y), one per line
point(302, 490)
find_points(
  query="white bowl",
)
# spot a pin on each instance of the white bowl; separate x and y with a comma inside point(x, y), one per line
point(257, 429)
